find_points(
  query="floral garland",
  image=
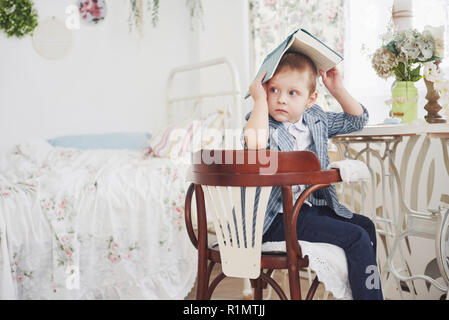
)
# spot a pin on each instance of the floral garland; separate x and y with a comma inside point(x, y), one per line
point(135, 14)
point(137, 11)
point(195, 8)
point(17, 17)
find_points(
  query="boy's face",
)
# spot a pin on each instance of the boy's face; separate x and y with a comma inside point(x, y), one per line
point(288, 95)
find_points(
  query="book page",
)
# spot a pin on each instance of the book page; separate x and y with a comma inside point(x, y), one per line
point(323, 57)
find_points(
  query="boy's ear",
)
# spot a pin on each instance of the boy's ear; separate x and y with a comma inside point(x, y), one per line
point(312, 99)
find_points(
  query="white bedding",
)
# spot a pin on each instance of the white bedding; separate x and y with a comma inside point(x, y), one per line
point(77, 224)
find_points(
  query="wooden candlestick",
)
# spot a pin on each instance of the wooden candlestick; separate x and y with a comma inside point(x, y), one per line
point(433, 107)
point(402, 14)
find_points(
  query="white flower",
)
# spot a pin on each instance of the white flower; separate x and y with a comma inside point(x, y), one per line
point(442, 86)
point(413, 45)
point(431, 71)
point(426, 48)
point(437, 34)
point(387, 37)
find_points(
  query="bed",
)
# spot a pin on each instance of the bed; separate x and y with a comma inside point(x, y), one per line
point(105, 223)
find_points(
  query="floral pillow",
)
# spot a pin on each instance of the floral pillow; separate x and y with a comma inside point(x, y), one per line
point(181, 139)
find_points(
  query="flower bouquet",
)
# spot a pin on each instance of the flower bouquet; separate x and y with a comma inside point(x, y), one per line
point(401, 55)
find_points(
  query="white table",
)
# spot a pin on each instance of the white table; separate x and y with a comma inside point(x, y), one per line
point(405, 192)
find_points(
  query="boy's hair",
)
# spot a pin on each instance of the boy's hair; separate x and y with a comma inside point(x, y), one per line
point(300, 62)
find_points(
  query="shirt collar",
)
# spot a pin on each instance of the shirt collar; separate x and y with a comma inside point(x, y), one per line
point(299, 125)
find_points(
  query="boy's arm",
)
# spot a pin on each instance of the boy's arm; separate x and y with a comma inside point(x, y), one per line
point(354, 117)
point(242, 135)
point(256, 129)
point(343, 122)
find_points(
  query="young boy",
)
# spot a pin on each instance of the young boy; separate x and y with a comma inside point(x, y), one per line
point(285, 118)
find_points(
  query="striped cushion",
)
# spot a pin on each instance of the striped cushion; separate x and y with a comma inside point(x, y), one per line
point(179, 140)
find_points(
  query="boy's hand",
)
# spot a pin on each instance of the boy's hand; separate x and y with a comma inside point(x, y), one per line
point(334, 84)
point(332, 80)
point(257, 89)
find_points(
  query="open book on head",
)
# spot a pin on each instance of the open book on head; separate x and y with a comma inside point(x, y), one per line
point(300, 41)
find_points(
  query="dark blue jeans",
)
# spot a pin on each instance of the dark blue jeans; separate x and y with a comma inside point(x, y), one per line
point(356, 236)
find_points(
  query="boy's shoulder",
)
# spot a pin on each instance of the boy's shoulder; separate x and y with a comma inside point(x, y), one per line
point(315, 111)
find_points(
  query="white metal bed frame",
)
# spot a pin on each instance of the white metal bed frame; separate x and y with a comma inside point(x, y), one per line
point(234, 109)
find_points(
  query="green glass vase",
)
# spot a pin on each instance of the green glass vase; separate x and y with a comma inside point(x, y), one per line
point(404, 101)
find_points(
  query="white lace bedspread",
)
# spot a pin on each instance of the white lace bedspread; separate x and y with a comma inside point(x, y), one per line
point(327, 260)
point(96, 224)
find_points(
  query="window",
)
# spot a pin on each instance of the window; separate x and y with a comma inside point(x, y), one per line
point(366, 21)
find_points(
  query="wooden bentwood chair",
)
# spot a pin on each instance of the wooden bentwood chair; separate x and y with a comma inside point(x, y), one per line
point(218, 177)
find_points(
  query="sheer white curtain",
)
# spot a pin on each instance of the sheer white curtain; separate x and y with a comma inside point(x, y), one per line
point(365, 21)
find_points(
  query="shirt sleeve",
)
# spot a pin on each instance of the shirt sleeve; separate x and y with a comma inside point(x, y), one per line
point(343, 122)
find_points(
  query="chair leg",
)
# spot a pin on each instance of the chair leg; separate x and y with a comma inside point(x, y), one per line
point(274, 285)
point(201, 289)
point(313, 288)
point(214, 284)
point(258, 289)
point(209, 271)
point(294, 283)
point(203, 276)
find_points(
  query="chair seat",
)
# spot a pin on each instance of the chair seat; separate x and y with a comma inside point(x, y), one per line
point(328, 261)
point(215, 252)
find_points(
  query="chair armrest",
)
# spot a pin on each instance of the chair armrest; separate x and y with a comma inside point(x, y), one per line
point(295, 212)
point(323, 179)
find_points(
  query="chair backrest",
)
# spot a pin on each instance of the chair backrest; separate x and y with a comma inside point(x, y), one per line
point(238, 234)
point(235, 189)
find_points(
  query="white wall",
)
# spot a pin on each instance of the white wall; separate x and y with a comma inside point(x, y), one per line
point(110, 81)
point(226, 33)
